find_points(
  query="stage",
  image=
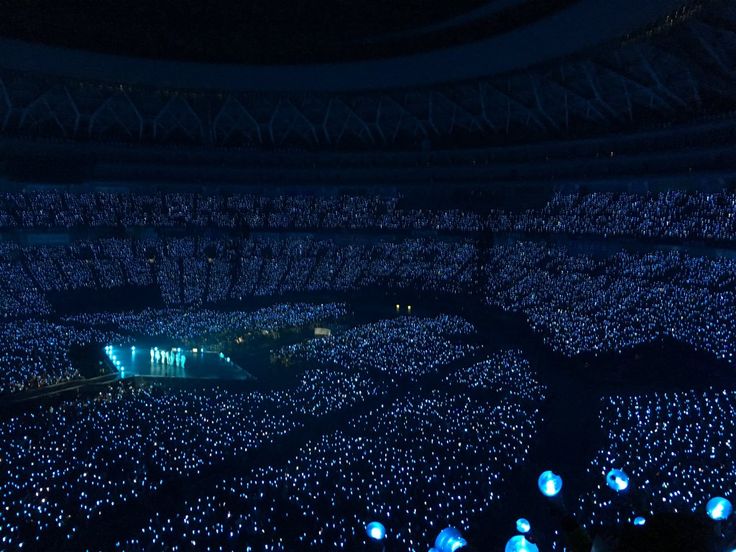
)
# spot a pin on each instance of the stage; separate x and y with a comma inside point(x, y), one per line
point(168, 361)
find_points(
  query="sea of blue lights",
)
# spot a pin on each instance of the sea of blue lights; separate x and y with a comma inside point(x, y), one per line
point(474, 414)
point(472, 438)
point(369, 470)
point(374, 443)
point(677, 450)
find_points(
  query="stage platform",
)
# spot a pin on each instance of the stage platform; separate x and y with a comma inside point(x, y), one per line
point(168, 361)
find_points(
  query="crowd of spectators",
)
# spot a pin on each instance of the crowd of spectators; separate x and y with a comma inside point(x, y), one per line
point(506, 372)
point(580, 303)
point(403, 346)
point(183, 324)
point(417, 464)
point(676, 447)
point(35, 353)
point(674, 214)
point(585, 305)
point(67, 465)
point(18, 295)
point(273, 266)
point(416, 459)
point(61, 209)
point(193, 271)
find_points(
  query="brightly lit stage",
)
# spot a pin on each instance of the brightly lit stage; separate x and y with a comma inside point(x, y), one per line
point(173, 362)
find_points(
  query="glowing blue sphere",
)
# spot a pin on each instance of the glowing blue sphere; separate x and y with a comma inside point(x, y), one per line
point(550, 484)
point(639, 520)
point(617, 480)
point(449, 540)
point(523, 525)
point(519, 543)
point(375, 530)
point(719, 508)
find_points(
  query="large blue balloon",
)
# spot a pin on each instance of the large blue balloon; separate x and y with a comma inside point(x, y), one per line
point(550, 484)
point(617, 480)
point(375, 530)
point(519, 543)
point(523, 525)
point(719, 508)
point(639, 520)
point(449, 540)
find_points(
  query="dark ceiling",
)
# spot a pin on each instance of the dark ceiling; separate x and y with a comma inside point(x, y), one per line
point(266, 31)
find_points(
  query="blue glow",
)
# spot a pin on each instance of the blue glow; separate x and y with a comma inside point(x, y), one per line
point(376, 530)
point(639, 520)
point(171, 362)
point(523, 525)
point(449, 540)
point(617, 480)
point(519, 543)
point(550, 484)
point(719, 508)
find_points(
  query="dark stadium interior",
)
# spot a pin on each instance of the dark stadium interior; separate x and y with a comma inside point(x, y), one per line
point(391, 277)
point(253, 32)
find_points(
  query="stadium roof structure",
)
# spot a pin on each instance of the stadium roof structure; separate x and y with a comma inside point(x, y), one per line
point(300, 32)
point(545, 30)
point(562, 75)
